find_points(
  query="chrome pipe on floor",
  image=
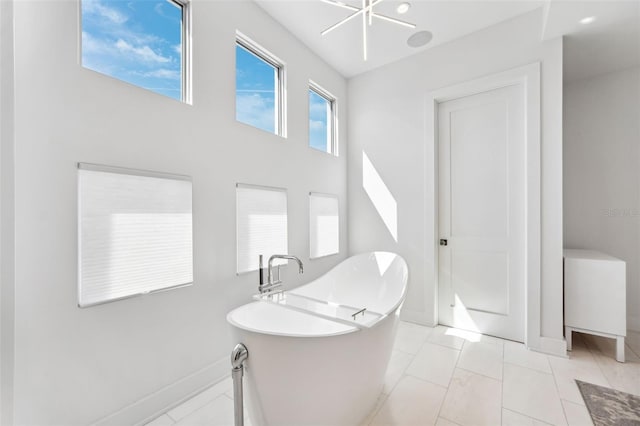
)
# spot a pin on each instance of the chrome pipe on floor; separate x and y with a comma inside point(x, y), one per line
point(239, 355)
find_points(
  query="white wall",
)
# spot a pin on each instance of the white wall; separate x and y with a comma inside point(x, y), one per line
point(387, 122)
point(602, 172)
point(74, 366)
point(7, 283)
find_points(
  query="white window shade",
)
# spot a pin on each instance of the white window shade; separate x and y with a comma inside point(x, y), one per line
point(324, 225)
point(134, 233)
point(261, 220)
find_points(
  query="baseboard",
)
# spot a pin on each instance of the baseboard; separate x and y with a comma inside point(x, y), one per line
point(633, 322)
point(417, 317)
point(552, 346)
point(155, 404)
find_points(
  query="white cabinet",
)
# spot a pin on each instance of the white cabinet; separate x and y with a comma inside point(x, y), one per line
point(595, 296)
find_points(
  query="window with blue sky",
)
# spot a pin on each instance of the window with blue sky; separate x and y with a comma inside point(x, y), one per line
point(321, 132)
point(137, 41)
point(257, 88)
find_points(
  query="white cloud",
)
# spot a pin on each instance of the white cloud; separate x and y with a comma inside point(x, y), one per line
point(317, 106)
point(97, 8)
point(178, 48)
point(144, 53)
point(162, 73)
point(256, 110)
point(317, 125)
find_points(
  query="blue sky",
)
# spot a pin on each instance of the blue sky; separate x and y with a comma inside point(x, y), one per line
point(255, 90)
point(138, 41)
point(319, 113)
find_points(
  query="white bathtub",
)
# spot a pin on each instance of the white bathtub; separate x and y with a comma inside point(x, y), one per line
point(306, 369)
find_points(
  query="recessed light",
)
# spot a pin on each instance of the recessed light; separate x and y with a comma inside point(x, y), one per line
point(587, 20)
point(403, 7)
point(419, 39)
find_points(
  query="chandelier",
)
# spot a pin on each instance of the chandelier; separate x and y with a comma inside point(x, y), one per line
point(367, 13)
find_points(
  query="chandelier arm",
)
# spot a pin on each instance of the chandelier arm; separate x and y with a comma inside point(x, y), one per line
point(364, 28)
point(395, 21)
point(344, 21)
point(350, 17)
point(342, 5)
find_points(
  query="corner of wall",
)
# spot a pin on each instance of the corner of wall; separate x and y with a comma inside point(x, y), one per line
point(7, 214)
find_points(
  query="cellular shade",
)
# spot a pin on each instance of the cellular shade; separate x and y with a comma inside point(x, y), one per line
point(324, 226)
point(261, 220)
point(134, 233)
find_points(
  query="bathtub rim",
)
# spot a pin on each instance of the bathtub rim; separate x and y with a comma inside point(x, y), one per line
point(288, 311)
point(347, 329)
point(389, 311)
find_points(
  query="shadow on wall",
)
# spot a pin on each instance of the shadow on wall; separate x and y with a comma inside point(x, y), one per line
point(379, 194)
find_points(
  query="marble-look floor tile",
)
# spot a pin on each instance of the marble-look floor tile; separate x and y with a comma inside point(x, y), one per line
point(201, 399)
point(449, 337)
point(580, 365)
point(218, 412)
point(607, 347)
point(445, 422)
point(434, 363)
point(532, 393)
point(577, 415)
point(397, 365)
point(163, 420)
point(518, 354)
point(412, 402)
point(482, 358)
point(623, 376)
point(472, 399)
point(410, 337)
point(511, 418)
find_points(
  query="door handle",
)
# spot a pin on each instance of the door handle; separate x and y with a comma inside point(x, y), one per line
point(443, 242)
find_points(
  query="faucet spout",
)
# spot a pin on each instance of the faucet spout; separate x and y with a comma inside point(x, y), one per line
point(270, 283)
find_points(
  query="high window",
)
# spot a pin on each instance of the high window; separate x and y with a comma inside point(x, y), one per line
point(142, 42)
point(322, 120)
point(259, 87)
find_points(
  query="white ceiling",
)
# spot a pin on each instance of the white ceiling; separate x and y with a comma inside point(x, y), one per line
point(610, 43)
point(342, 48)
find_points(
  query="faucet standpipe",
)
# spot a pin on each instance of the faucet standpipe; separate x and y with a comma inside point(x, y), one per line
point(271, 284)
point(238, 356)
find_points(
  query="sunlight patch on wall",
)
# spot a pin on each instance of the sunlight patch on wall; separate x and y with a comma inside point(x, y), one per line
point(380, 196)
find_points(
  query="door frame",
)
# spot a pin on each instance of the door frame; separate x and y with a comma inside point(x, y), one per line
point(529, 77)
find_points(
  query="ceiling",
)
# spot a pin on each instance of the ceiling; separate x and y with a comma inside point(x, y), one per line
point(611, 42)
point(342, 48)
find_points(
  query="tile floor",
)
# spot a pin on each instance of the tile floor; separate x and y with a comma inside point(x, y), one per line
point(445, 376)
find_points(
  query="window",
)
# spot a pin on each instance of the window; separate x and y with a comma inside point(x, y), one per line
point(261, 221)
point(142, 42)
point(324, 225)
point(134, 233)
point(322, 120)
point(259, 87)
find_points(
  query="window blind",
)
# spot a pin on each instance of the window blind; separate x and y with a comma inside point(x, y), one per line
point(134, 233)
point(324, 225)
point(261, 220)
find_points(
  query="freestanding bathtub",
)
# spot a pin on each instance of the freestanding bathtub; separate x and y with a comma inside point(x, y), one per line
point(313, 359)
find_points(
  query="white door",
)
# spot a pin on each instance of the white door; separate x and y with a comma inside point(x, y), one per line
point(481, 142)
